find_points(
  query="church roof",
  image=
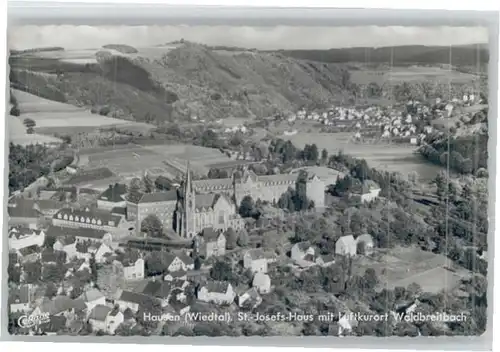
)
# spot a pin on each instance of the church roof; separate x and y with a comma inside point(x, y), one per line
point(157, 197)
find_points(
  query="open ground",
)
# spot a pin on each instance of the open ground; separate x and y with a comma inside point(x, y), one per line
point(402, 266)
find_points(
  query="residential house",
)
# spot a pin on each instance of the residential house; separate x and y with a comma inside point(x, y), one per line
point(346, 245)
point(53, 326)
point(23, 212)
point(59, 306)
point(134, 301)
point(80, 234)
point(262, 282)
point(211, 243)
point(67, 245)
point(255, 260)
point(28, 254)
point(301, 250)
point(161, 290)
point(96, 219)
point(364, 244)
point(176, 275)
point(249, 298)
point(177, 262)
point(21, 299)
point(113, 197)
point(21, 237)
point(130, 269)
point(219, 292)
point(368, 192)
point(92, 298)
point(101, 253)
point(103, 318)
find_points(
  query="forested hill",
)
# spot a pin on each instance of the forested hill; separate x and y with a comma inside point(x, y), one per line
point(412, 54)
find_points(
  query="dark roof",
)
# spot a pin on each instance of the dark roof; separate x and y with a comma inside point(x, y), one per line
point(157, 197)
point(139, 298)
point(91, 175)
point(20, 295)
point(176, 274)
point(119, 210)
point(49, 204)
point(99, 312)
point(328, 258)
point(186, 259)
point(208, 200)
point(59, 231)
point(93, 214)
point(29, 250)
point(60, 304)
point(210, 234)
point(23, 208)
point(115, 193)
point(49, 256)
point(217, 286)
point(55, 324)
point(256, 254)
point(309, 258)
point(159, 289)
point(67, 240)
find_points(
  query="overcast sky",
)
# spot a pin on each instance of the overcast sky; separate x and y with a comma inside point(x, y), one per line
point(280, 37)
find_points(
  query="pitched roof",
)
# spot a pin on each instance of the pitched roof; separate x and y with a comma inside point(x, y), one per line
point(119, 210)
point(217, 286)
point(67, 240)
point(19, 232)
point(138, 298)
point(208, 200)
point(99, 312)
point(49, 204)
point(159, 289)
point(59, 231)
point(186, 259)
point(29, 250)
point(49, 256)
point(348, 240)
point(55, 324)
point(20, 295)
point(91, 295)
point(99, 215)
point(261, 279)
point(114, 193)
point(303, 246)
point(213, 184)
point(157, 197)
point(60, 304)
point(328, 258)
point(256, 254)
point(209, 234)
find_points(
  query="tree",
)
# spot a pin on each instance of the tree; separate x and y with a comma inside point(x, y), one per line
point(148, 184)
point(134, 190)
point(301, 202)
point(370, 278)
point(33, 272)
point(231, 238)
point(247, 207)
point(324, 155)
point(50, 290)
point(152, 226)
point(197, 263)
point(221, 271)
point(29, 123)
point(242, 238)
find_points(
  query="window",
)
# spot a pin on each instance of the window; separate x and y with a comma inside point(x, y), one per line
point(65, 217)
point(221, 217)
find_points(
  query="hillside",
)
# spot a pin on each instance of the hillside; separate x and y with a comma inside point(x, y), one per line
point(187, 80)
point(463, 55)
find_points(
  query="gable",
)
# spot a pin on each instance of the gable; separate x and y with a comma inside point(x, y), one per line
point(222, 203)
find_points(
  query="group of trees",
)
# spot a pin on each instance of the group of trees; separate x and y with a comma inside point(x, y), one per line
point(296, 199)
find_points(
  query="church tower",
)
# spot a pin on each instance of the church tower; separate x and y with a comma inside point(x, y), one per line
point(189, 212)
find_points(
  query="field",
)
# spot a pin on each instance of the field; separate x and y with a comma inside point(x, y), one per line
point(18, 135)
point(167, 160)
point(54, 117)
point(390, 157)
point(411, 73)
point(402, 266)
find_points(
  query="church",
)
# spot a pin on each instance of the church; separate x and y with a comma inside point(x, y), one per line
point(200, 204)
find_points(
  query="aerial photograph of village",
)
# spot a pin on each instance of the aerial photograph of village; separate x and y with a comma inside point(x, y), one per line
point(247, 181)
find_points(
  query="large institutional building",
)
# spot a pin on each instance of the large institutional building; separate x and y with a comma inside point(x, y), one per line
point(214, 202)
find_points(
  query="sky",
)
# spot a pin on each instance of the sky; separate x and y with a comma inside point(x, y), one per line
point(264, 38)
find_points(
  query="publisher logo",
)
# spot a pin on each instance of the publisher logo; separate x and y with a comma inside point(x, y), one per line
point(25, 321)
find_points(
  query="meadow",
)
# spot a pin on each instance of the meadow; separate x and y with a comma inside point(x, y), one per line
point(407, 74)
point(390, 157)
point(402, 266)
point(54, 117)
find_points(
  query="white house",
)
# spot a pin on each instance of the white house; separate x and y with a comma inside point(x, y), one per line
point(346, 245)
point(133, 300)
point(22, 237)
point(250, 297)
point(131, 270)
point(101, 253)
point(255, 260)
point(262, 282)
point(300, 250)
point(103, 318)
point(219, 292)
point(67, 245)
